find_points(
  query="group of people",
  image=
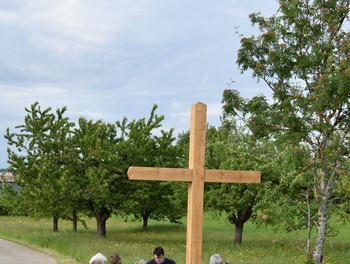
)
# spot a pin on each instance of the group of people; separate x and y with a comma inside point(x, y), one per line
point(158, 254)
point(99, 258)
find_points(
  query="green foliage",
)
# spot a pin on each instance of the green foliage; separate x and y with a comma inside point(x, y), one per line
point(96, 181)
point(302, 54)
point(10, 202)
point(38, 160)
point(141, 146)
point(66, 172)
point(231, 148)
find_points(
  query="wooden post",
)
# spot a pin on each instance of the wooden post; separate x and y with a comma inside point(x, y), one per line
point(196, 187)
point(196, 176)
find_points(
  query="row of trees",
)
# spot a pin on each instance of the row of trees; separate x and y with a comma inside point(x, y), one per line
point(66, 170)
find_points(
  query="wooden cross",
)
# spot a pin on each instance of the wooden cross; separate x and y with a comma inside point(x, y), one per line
point(195, 175)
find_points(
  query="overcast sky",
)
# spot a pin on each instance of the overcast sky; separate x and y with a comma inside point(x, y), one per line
point(106, 59)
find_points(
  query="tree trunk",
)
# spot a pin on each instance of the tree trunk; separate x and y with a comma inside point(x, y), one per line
point(55, 224)
point(238, 233)
point(101, 219)
point(309, 226)
point(101, 228)
point(322, 229)
point(75, 221)
point(145, 216)
point(145, 222)
point(323, 204)
point(238, 220)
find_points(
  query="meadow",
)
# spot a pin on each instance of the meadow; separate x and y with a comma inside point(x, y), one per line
point(260, 245)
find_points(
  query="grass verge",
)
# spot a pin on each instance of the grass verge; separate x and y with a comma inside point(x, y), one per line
point(260, 245)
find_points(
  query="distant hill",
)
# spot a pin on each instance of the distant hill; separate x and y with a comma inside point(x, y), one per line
point(2, 170)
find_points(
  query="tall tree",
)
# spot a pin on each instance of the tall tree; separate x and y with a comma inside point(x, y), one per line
point(231, 148)
point(96, 172)
point(145, 144)
point(303, 57)
point(38, 160)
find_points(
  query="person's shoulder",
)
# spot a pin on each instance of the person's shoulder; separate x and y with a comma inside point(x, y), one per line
point(169, 261)
point(152, 261)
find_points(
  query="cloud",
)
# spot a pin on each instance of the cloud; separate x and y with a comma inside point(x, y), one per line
point(28, 92)
point(111, 59)
point(89, 115)
point(7, 17)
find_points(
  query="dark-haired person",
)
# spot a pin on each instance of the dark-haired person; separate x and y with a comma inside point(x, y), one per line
point(159, 258)
point(115, 259)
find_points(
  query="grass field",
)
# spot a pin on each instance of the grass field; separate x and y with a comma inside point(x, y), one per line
point(260, 245)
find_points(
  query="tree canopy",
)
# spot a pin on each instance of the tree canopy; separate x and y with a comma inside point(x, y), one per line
point(39, 156)
point(66, 170)
point(302, 55)
point(142, 145)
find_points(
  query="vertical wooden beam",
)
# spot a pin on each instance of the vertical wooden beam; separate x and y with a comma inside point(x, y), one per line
point(196, 187)
point(196, 176)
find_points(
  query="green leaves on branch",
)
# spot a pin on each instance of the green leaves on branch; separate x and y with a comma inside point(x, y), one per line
point(65, 171)
point(143, 144)
point(302, 55)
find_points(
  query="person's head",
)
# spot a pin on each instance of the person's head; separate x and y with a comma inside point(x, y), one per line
point(216, 259)
point(158, 253)
point(98, 259)
point(115, 259)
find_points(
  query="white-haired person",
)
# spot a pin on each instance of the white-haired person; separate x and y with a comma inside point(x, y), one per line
point(216, 259)
point(99, 258)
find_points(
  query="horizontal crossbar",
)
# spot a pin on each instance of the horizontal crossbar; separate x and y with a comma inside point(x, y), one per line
point(176, 174)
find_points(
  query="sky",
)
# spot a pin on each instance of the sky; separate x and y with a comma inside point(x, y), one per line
point(110, 59)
